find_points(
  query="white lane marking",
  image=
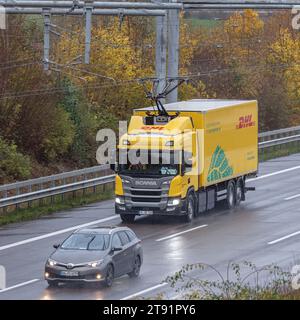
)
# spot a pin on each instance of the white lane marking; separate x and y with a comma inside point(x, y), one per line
point(182, 232)
point(55, 233)
point(145, 291)
point(293, 197)
point(19, 285)
point(284, 238)
point(274, 173)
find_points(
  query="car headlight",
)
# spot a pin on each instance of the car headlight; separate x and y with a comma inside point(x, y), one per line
point(51, 262)
point(174, 202)
point(95, 264)
point(120, 200)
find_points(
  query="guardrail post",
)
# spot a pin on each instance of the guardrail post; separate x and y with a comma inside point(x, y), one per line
point(83, 191)
point(17, 193)
point(41, 202)
point(29, 202)
point(62, 195)
point(52, 197)
point(5, 196)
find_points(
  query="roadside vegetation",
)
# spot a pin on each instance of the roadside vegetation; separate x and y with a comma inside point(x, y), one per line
point(49, 120)
point(241, 281)
point(39, 208)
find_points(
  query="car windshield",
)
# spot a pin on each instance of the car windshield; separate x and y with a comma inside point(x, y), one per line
point(85, 241)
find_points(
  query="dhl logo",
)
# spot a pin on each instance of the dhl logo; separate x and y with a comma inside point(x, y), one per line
point(245, 122)
point(148, 128)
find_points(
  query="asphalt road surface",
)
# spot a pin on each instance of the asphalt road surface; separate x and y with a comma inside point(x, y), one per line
point(265, 229)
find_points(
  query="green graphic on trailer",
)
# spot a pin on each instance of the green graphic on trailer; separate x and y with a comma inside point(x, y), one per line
point(219, 167)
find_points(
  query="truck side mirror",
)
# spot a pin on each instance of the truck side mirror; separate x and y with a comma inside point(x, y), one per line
point(114, 167)
point(182, 169)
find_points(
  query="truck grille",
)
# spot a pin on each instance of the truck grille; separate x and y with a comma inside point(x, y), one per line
point(145, 192)
point(141, 199)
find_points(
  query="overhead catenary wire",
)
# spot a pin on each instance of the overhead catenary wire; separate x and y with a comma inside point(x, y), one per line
point(49, 91)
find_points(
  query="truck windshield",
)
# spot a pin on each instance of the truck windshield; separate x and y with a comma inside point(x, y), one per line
point(154, 163)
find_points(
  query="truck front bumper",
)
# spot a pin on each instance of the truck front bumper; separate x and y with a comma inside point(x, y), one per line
point(178, 210)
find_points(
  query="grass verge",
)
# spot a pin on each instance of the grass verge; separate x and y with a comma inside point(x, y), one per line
point(57, 205)
point(279, 151)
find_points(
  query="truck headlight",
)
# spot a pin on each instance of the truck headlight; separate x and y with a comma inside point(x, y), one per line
point(126, 142)
point(174, 202)
point(95, 264)
point(120, 200)
point(51, 262)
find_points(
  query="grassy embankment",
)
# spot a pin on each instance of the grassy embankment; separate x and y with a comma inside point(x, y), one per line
point(48, 206)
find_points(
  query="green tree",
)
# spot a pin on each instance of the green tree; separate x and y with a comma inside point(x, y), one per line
point(13, 164)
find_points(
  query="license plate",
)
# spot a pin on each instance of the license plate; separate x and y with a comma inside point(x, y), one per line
point(69, 273)
point(145, 212)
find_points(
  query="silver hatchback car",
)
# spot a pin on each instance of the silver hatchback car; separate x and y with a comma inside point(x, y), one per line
point(97, 254)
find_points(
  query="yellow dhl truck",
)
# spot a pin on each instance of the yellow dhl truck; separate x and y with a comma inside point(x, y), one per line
point(194, 154)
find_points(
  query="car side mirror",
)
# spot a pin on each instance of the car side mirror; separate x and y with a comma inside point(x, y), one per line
point(56, 246)
point(116, 249)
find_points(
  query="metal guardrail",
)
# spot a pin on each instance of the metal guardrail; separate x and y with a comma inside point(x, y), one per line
point(279, 141)
point(21, 192)
point(40, 194)
point(270, 134)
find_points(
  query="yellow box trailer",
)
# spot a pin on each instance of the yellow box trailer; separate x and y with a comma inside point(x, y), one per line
point(215, 143)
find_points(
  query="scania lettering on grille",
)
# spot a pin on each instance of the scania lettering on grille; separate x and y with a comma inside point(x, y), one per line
point(145, 183)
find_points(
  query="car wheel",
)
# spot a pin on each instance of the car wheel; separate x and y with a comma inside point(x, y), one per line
point(239, 191)
point(230, 201)
point(127, 218)
point(109, 278)
point(52, 284)
point(190, 208)
point(136, 268)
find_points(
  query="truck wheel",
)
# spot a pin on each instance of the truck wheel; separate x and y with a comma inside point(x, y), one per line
point(230, 201)
point(190, 208)
point(127, 218)
point(239, 191)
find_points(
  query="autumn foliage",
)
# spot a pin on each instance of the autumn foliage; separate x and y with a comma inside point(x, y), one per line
point(51, 118)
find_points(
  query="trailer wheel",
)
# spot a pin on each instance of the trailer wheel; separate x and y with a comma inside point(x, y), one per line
point(239, 191)
point(127, 218)
point(190, 208)
point(230, 200)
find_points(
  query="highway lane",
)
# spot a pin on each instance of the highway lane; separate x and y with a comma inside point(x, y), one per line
point(215, 238)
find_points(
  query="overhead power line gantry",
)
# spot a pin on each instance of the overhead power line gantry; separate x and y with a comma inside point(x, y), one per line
point(167, 23)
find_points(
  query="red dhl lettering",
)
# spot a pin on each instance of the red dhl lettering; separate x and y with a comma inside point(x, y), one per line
point(152, 128)
point(245, 122)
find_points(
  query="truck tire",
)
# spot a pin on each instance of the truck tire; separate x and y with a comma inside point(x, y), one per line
point(239, 191)
point(190, 208)
point(127, 218)
point(230, 200)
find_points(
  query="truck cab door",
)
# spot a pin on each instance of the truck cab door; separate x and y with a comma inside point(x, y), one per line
point(189, 169)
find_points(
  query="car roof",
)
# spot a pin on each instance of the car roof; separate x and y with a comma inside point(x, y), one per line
point(101, 229)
